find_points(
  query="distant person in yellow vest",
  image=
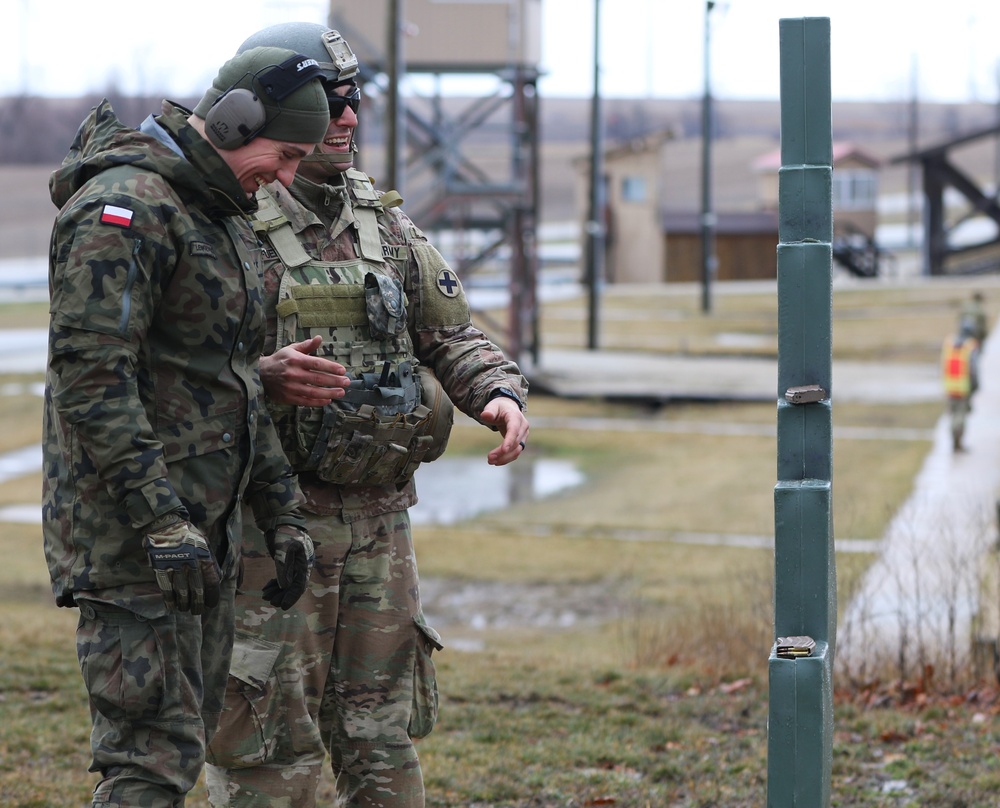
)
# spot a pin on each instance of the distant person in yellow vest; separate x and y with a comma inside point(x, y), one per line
point(959, 365)
point(973, 317)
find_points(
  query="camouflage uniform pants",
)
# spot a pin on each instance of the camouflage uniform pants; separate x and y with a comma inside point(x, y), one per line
point(958, 412)
point(347, 671)
point(156, 681)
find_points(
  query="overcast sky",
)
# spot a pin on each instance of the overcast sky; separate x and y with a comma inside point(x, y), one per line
point(879, 48)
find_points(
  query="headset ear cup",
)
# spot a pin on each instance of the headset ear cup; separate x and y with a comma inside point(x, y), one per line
point(234, 119)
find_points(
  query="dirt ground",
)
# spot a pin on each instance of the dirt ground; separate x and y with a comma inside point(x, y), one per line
point(464, 608)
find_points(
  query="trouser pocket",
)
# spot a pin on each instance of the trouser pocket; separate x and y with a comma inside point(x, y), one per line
point(251, 716)
point(424, 714)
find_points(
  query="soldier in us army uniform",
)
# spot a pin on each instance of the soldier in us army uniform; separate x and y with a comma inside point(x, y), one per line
point(365, 318)
point(155, 431)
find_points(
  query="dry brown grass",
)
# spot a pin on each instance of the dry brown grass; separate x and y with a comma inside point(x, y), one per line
point(901, 322)
point(692, 481)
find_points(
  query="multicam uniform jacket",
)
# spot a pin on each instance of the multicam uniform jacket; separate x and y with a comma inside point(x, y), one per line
point(436, 321)
point(152, 400)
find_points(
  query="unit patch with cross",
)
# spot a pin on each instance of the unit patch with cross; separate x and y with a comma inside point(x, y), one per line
point(442, 302)
point(448, 284)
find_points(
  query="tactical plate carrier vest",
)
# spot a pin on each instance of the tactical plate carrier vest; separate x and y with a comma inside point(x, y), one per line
point(395, 414)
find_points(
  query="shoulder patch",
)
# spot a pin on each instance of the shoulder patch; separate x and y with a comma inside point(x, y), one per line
point(448, 284)
point(442, 300)
point(202, 249)
point(120, 217)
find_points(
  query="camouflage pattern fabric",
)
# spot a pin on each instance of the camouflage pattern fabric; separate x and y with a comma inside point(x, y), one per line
point(152, 406)
point(959, 408)
point(152, 398)
point(348, 669)
point(155, 681)
point(468, 365)
point(357, 636)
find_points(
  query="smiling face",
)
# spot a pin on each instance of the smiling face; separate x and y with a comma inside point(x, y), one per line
point(264, 160)
point(339, 135)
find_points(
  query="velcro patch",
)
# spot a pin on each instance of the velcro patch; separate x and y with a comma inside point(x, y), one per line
point(447, 283)
point(442, 300)
point(394, 252)
point(202, 249)
point(120, 217)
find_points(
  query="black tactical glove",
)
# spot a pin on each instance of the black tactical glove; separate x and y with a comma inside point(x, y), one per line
point(185, 569)
point(294, 556)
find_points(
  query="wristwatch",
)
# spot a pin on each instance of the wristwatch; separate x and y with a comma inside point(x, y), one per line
point(506, 392)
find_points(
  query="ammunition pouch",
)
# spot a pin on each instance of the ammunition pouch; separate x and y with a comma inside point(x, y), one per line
point(360, 445)
point(395, 415)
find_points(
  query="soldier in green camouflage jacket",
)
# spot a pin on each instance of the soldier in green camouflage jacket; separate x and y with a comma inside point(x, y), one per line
point(370, 344)
point(154, 429)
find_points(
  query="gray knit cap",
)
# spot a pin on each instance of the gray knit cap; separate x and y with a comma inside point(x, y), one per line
point(299, 116)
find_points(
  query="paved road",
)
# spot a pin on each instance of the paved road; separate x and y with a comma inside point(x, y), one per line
point(584, 374)
point(923, 593)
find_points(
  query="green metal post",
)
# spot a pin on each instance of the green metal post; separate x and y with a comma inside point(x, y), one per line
point(800, 667)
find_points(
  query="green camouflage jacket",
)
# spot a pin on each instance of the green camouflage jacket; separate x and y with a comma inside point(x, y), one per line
point(469, 366)
point(152, 399)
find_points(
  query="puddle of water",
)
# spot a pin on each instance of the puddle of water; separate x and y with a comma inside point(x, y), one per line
point(22, 388)
point(743, 340)
point(450, 489)
point(20, 462)
point(453, 489)
point(26, 514)
point(23, 350)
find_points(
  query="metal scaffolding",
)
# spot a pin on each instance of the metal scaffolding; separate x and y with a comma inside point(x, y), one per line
point(483, 208)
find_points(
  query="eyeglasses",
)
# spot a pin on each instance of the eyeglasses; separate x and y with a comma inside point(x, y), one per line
point(339, 103)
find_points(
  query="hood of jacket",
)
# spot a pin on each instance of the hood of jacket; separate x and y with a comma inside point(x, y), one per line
point(199, 175)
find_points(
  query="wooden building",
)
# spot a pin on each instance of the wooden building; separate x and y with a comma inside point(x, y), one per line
point(653, 197)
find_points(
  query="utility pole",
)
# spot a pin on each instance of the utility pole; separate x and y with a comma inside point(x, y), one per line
point(394, 106)
point(595, 215)
point(708, 218)
point(913, 143)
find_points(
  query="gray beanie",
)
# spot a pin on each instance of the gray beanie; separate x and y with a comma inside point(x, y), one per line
point(299, 116)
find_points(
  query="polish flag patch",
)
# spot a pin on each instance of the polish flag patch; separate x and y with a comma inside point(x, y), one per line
point(112, 214)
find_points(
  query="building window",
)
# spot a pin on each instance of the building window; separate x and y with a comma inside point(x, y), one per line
point(633, 189)
point(853, 189)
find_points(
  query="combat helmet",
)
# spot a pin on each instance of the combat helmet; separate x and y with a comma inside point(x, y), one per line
point(336, 60)
point(338, 68)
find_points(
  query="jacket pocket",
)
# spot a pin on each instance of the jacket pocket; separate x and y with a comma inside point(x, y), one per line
point(182, 439)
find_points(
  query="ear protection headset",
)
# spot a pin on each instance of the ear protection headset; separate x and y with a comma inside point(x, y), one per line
point(238, 115)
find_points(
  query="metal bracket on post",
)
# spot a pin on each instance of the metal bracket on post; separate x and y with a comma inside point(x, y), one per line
point(805, 394)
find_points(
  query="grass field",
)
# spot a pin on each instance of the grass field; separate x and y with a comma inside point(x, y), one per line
point(652, 691)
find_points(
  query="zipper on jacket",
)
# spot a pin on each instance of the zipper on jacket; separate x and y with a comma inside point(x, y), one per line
point(133, 272)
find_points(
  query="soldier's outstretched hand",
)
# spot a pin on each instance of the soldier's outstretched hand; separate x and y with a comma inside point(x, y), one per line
point(295, 375)
point(506, 416)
